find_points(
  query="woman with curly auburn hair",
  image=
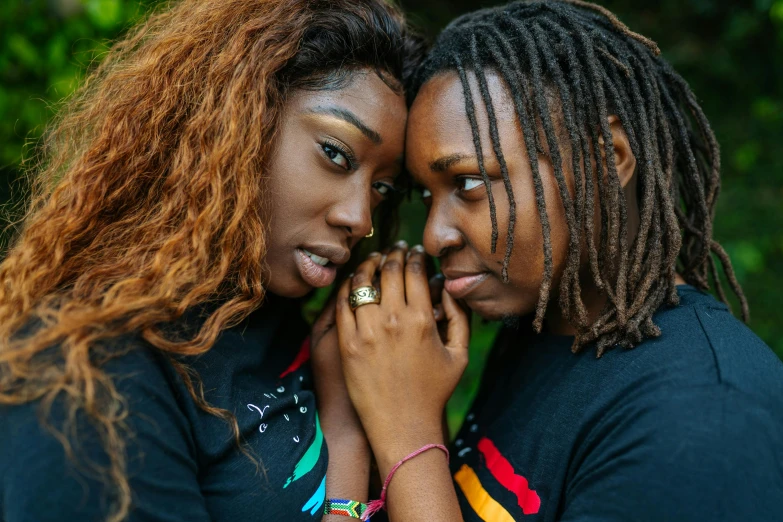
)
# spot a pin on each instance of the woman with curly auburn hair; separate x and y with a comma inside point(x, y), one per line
point(221, 163)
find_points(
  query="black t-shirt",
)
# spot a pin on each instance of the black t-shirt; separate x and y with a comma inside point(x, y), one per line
point(183, 463)
point(684, 427)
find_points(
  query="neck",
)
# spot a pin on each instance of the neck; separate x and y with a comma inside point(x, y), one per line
point(594, 300)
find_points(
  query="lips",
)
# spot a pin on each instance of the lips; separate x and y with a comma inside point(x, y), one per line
point(460, 285)
point(314, 274)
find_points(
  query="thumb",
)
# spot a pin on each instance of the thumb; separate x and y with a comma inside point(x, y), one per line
point(458, 328)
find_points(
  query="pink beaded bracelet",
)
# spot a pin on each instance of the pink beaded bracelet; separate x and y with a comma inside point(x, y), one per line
point(376, 505)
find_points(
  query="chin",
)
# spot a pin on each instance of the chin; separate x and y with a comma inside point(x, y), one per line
point(499, 309)
point(289, 289)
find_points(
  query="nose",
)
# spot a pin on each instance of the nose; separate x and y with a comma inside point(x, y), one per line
point(440, 234)
point(352, 211)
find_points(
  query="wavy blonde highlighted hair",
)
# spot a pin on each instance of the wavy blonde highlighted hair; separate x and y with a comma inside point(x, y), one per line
point(149, 200)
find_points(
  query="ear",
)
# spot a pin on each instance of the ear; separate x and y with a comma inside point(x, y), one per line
point(624, 159)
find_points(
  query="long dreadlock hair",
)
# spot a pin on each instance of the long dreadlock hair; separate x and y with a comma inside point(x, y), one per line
point(569, 65)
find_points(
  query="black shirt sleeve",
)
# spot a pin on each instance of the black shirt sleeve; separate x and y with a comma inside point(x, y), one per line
point(41, 484)
point(680, 458)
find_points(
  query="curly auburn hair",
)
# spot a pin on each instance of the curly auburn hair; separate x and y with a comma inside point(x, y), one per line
point(149, 198)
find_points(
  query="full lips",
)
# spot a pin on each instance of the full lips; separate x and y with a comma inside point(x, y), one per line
point(462, 286)
point(314, 274)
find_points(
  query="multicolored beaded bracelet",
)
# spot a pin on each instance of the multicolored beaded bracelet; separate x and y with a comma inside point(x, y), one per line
point(345, 507)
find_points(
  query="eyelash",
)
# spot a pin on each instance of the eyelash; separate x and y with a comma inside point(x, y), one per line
point(336, 147)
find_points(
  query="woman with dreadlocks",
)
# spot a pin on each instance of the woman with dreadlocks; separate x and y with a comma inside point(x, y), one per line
point(221, 163)
point(571, 180)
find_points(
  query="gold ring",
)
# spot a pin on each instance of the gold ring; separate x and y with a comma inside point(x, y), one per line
point(364, 295)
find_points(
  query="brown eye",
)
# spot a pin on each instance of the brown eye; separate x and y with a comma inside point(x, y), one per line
point(336, 155)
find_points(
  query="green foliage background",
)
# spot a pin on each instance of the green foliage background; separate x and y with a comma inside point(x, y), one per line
point(731, 53)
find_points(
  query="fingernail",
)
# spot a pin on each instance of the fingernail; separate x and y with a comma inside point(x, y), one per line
point(383, 259)
point(418, 248)
point(350, 275)
point(374, 254)
point(401, 244)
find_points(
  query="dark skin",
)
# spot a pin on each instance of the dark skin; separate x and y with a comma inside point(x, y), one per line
point(388, 350)
point(338, 154)
point(337, 157)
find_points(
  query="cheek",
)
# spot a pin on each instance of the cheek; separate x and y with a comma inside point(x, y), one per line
point(297, 190)
point(527, 264)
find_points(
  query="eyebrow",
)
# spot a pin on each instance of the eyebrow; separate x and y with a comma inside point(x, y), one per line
point(443, 163)
point(348, 116)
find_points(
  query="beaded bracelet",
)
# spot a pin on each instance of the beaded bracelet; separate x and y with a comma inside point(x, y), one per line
point(345, 507)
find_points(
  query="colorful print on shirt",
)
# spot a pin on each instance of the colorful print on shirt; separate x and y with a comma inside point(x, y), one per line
point(283, 415)
point(486, 507)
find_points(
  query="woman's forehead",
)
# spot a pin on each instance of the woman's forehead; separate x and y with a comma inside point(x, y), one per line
point(439, 120)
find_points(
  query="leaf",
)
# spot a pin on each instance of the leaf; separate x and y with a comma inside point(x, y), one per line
point(746, 156)
point(106, 14)
point(23, 50)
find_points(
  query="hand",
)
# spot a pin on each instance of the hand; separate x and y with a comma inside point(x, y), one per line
point(338, 416)
point(398, 370)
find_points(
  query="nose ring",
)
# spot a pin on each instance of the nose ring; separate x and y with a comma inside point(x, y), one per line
point(372, 232)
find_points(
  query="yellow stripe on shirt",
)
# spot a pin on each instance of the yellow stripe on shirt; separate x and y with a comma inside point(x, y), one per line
point(485, 506)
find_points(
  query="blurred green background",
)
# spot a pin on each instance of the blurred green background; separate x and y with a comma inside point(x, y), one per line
point(730, 52)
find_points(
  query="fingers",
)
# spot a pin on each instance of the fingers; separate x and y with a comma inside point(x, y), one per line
point(364, 276)
point(436, 283)
point(365, 273)
point(392, 280)
point(458, 331)
point(346, 320)
point(417, 289)
point(436, 289)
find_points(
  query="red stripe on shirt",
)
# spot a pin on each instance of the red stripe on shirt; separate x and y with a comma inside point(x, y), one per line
point(302, 357)
point(503, 472)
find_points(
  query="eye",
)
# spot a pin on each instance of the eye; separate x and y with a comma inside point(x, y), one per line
point(337, 155)
point(384, 189)
point(426, 196)
point(468, 184)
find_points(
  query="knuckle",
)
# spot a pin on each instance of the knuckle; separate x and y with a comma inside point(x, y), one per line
point(360, 279)
point(460, 359)
point(415, 266)
point(366, 336)
point(392, 266)
point(350, 350)
point(421, 320)
point(393, 321)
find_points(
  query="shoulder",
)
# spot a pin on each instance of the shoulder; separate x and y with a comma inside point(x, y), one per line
point(707, 391)
point(701, 344)
point(140, 377)
point(708, 453)
point(48, 467)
